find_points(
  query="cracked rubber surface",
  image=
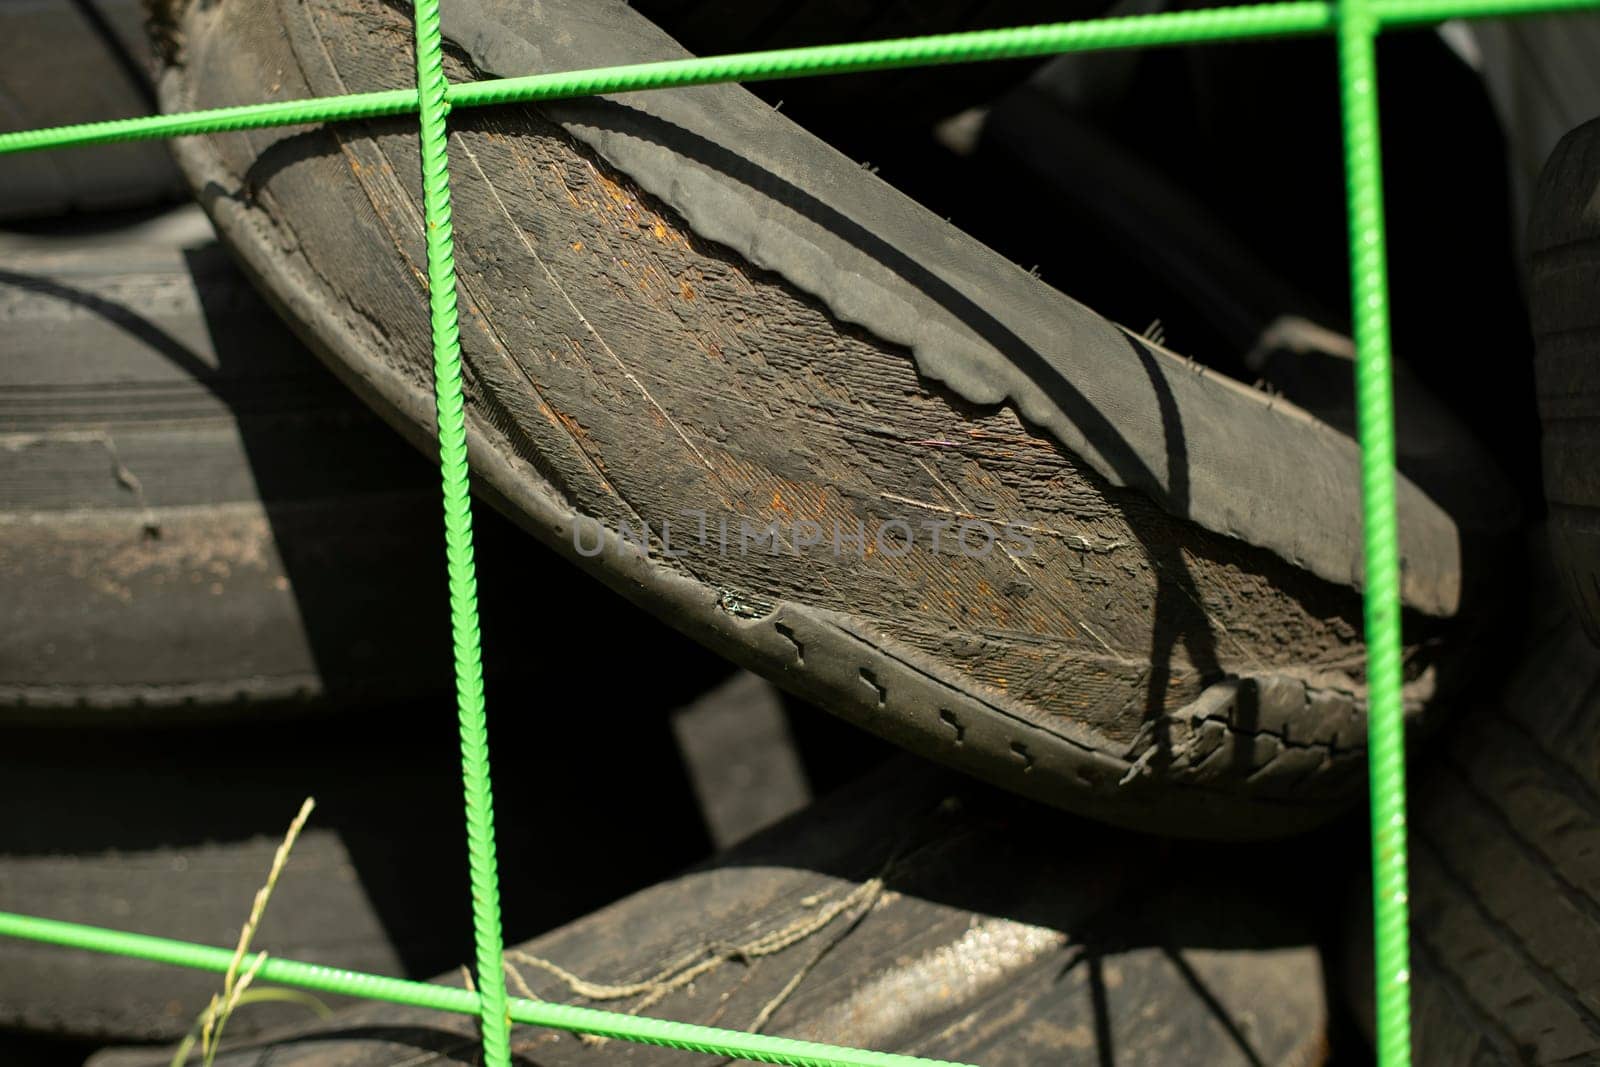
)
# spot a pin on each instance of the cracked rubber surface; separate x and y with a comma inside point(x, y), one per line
point(625, 367)
point(1564, 276)
point(1138, 415)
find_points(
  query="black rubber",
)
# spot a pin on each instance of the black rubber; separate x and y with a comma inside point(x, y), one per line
point(919, 97)
point(683, 301)
point(198, 519)
point(1505, 887)
point(172, 834)
point(1563, 280)
point(986, 941)
point(103, 46)
point(171, 831)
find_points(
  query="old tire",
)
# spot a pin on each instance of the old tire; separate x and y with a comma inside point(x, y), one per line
point(682, 302)
point(1092, 954)
point(198, 519)
point(84, 61)
point(1505, 889)
point(1563, 278)
point(171, 831)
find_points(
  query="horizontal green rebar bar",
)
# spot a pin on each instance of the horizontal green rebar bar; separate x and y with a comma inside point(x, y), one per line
point(1296, 17)
point(1358, 22)
point(762, 1048)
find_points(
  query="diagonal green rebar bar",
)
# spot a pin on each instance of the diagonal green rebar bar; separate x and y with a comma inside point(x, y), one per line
point(451, 406)
point(761, 1048)
point(1356, 24)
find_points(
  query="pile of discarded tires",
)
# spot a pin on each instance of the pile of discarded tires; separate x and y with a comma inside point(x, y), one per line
point(760, 435)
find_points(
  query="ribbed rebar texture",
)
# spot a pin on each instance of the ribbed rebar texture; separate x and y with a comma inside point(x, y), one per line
point(1137, 31)
point(451, 407)
point(1109, 34)
point(1356, 23)
point(1375, 426)
point(214, 120)
point(708, 1039)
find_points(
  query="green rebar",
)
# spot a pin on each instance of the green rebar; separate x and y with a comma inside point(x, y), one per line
point(464, 626)
point(1135, 31)
point(1356, 22)
point(762, 1048)
point(1369, 285)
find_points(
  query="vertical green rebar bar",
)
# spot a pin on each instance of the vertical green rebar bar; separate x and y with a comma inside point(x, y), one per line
point(485, 879)
point(1369, 284)
point(1357, 24)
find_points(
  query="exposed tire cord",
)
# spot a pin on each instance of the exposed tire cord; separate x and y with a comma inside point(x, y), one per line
point(1563, 280)
point(622, 368)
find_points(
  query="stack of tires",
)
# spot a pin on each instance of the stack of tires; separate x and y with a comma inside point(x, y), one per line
point(736, 396)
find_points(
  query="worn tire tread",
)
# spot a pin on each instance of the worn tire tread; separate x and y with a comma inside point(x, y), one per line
point(1564, 275)
point(1506, 886)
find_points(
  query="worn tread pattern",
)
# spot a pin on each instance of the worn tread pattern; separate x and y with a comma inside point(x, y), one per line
point(174, 540)
point(1563, 278)
point(1506, 887)
point(1143, 669)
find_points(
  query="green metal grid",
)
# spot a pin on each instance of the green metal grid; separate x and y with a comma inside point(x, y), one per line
point(1355, 23)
